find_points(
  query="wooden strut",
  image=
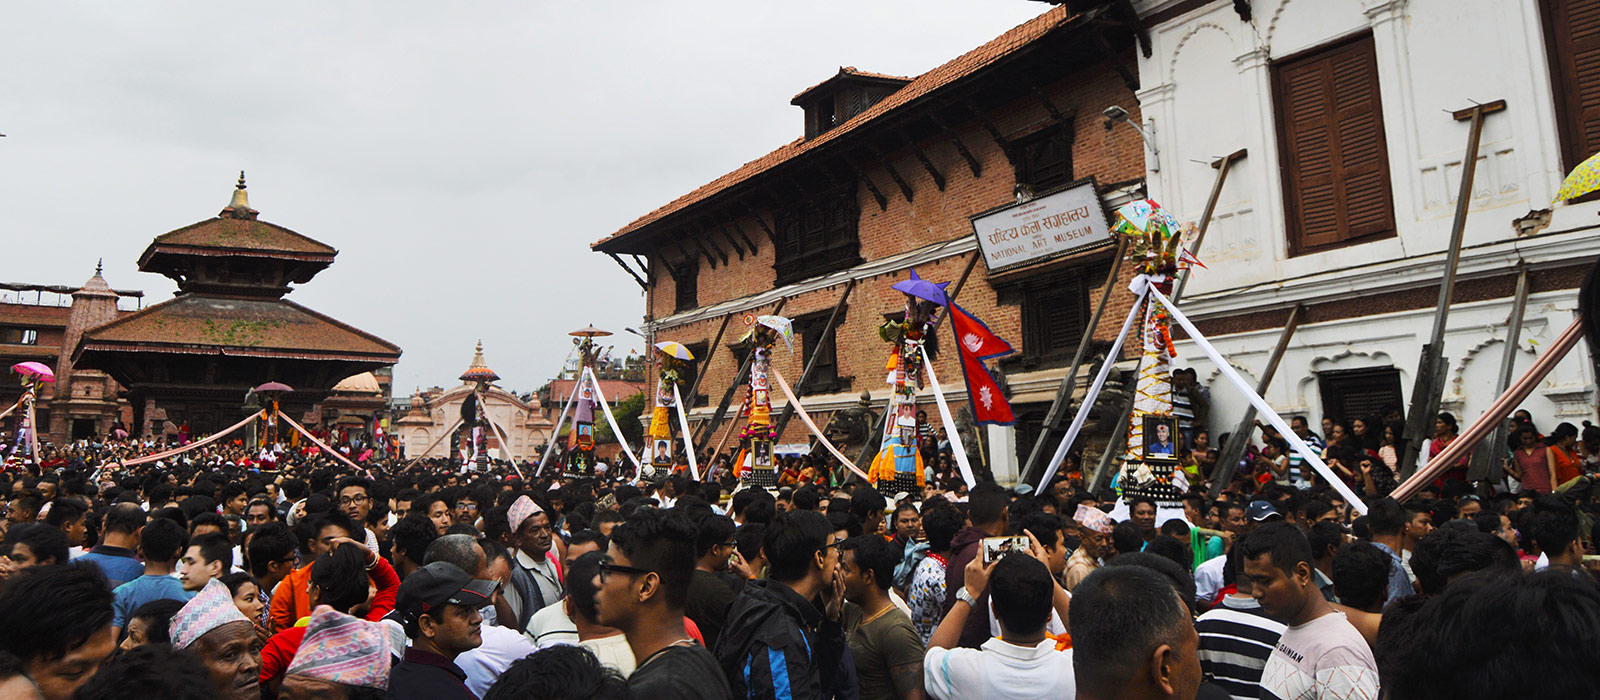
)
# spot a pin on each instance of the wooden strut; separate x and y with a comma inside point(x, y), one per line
point(710, 426)
point(731, 221)
point(811, 362)
point(727, 235)
point(712, 241)
point(709, 258)
point(1426, 390)
point(883, 202)
point(961, 148)
point(1232, 452)
point(642, 284)
point(933, 325)
point(994, 132)
point(705, 362)
point(905, 187)
point(1102, 471)
point(1063, 399)
point(933, 172)
point(764, 227)
point(1484, 465)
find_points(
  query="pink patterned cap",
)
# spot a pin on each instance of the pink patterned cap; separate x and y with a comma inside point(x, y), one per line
point(212, 608)
point(522, 509)
point(342, 649)
point(1094, 519)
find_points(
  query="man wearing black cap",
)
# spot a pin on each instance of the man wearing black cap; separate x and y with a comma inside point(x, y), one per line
point(438, 606)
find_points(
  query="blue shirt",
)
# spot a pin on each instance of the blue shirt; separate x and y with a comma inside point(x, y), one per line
point(117, 563)
point(147, 588)
point(1399, 583)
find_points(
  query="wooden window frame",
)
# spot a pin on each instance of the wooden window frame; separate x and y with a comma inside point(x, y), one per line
point(1293, 225)
point(1563, 85)
point(685, 276)
point(825, 379)
point(1025, 169)
point(817, 236)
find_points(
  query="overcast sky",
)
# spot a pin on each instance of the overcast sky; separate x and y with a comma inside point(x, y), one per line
point(461, 156)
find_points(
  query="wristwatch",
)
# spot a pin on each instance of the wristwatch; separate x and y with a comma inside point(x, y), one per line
point(965, 597)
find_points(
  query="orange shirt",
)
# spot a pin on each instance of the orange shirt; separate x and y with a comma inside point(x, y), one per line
point(1566, 466)
point(291, 600)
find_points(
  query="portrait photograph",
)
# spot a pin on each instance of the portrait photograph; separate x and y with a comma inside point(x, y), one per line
point(1160, 437)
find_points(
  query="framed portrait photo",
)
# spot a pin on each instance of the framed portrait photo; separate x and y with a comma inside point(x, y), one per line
point(1160, 438)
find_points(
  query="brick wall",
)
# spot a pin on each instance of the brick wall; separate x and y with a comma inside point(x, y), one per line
point(932, 216)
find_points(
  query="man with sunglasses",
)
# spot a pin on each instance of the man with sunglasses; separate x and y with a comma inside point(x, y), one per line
point(642, 587)
point(778, 643)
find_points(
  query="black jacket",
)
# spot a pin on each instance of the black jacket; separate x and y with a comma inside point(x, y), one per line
point(779, 646)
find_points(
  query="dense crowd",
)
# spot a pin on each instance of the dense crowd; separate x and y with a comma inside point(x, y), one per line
point(243, 573)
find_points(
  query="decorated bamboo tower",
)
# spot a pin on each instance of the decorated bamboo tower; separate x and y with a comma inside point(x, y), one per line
point(755, 457)
point(672, 358)
point(1151, 457)
point(898, 465)
point(580, 442)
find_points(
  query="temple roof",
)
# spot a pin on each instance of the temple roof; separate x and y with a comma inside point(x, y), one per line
point(479, 370)
point(364, 383)
point(195, 324)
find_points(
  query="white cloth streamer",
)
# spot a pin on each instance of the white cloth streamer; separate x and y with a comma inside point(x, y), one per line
point(610, 419)
point(1262, 407)
point(555, 433)
point(1093, 393)
point(683, 426)
point(800, 410)
point(949, 422)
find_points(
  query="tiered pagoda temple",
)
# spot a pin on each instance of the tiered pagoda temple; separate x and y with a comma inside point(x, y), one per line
point(229, 329)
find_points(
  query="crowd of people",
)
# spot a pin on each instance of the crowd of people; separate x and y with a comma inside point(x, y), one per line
point(241, 573)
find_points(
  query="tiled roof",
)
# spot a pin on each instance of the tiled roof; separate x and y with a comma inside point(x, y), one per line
point(242, 235)
point(921, 86)
point(853, 72)
point(253, 327)
point(614, 389)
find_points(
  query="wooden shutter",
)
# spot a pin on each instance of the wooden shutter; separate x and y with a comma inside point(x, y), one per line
point(1572, 37)
point(1335, 157)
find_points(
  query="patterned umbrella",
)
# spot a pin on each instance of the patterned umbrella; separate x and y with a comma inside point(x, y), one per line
point(674, 349)
point(36, 370)
point(1582, 180)
point(783, 326)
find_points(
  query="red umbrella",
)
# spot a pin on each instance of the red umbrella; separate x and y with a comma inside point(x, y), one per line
point(37, 370)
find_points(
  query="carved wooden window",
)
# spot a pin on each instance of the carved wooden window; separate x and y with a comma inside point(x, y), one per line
point(825, 373)
point(817, 236)
point(1572, 38)
point(1044, 160)
point(1335, 157)
point(686, 285)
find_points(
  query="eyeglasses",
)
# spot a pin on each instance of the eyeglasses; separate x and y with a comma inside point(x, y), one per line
point(352, 500)
point(608, 568)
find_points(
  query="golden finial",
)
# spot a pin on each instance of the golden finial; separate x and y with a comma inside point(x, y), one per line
point(241, 199)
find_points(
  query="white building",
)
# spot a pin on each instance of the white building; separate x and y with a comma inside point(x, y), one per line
point(1345, 200)
point(430, 427)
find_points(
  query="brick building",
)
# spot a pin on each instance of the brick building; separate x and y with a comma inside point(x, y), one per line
point(884, 178)
point(80, 403)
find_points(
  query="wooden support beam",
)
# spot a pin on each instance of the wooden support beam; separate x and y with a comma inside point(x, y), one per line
point(1485, 464)
point(705, 234)
point(1222, 166)
point(883, 202)
point(686, 254)
point(1428, 387)
point(764, 227)
point(705, 364)
point(1233, 451)
point(994, 132)
point(955, 140)
point(938, 178)
point(709, 257)
point(642, 284)
point(1050, 107)
point(640, 261)
point(722, 226)
point(740, 230)
point(811, 362)
point(905, 187)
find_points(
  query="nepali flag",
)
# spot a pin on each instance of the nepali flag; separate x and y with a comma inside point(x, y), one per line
point(977, 343)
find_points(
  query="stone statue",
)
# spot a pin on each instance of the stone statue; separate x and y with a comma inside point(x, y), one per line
point(852, 429)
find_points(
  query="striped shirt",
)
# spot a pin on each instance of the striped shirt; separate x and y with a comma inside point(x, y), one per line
point(1236, 639)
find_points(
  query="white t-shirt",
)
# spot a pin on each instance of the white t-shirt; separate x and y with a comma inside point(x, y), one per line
point(613, 652)
point(999, 670)
point(1208, 578)
point(501, 647)
point(1324, 659)
point(551, 625)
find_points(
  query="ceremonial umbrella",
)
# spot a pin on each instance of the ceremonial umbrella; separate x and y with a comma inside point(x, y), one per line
point(36, 370)
point(674, 349)
point(923, 289)
point(589, 332)
point(1582, 180)
point(783, 326)
point(273, 386)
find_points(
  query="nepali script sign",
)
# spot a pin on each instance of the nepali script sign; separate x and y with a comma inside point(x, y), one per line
point(1045, 227)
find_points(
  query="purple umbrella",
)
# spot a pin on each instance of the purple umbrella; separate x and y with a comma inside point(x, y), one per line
point(37, 370)
point(273, 386)
point(923, 289)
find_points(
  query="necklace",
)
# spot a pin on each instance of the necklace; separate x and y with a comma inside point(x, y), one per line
point(880, 613)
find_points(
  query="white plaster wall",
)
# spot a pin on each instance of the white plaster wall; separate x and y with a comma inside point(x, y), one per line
point(1207, 85)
